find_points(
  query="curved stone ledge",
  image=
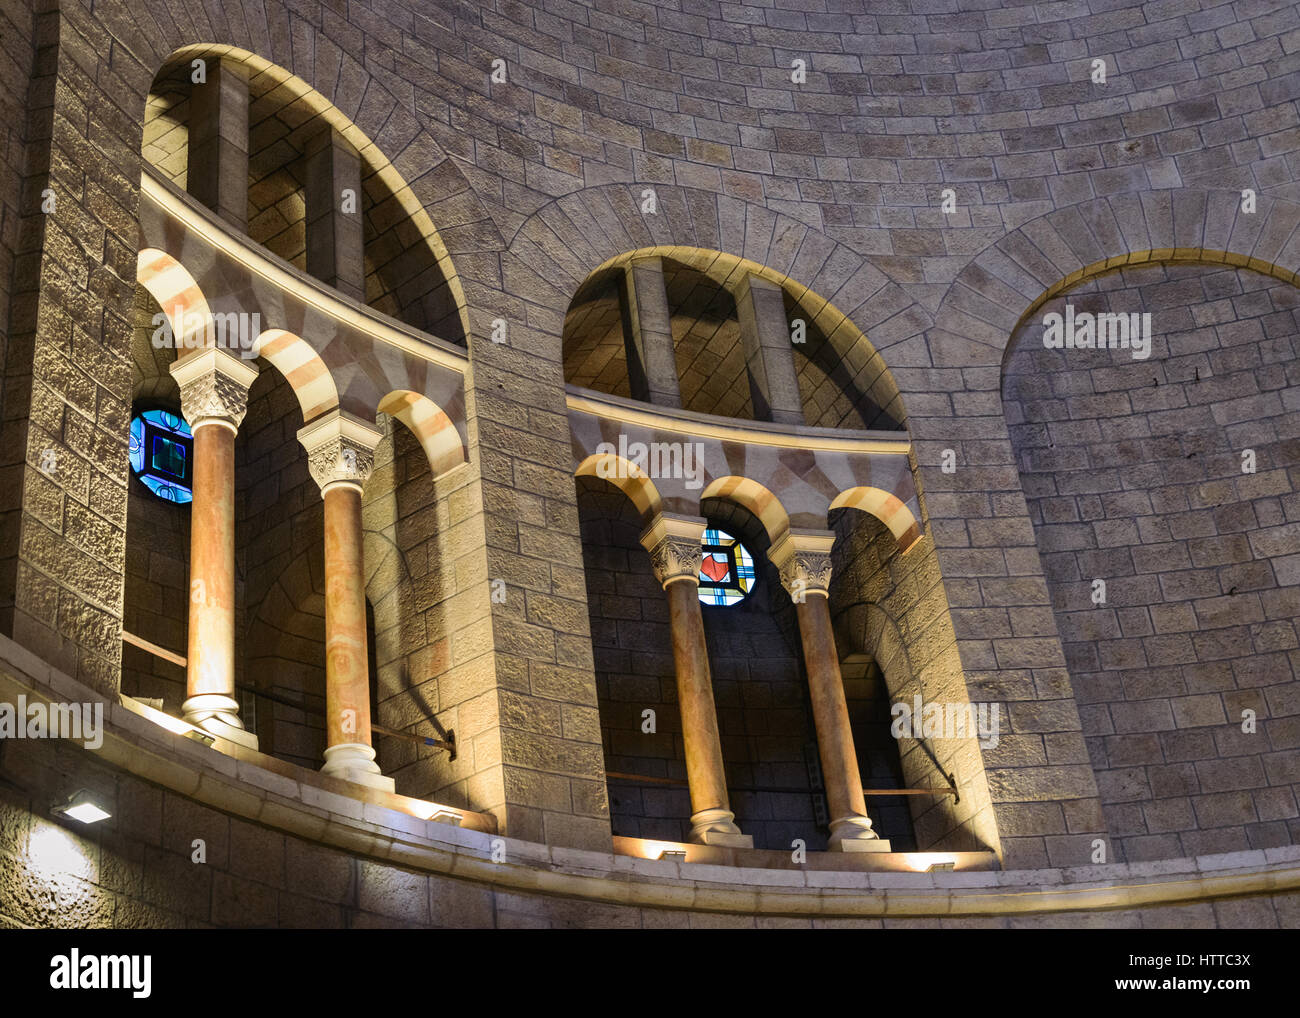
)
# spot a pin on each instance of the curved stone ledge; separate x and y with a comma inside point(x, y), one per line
point(321, 814)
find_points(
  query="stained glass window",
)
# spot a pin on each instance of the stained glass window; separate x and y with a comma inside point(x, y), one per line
point(726, 570)
point(162, 454)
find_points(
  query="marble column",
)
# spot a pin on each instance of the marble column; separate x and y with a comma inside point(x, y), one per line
point(675, 553)
point(804, 560)
point(214, 398)
point(335, 238)
point(340, 456)
point(765, 334)
point(217, 167)
point(648, 334)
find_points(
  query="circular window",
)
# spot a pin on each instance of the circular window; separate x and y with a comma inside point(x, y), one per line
point(162, 454)
point(726, 569)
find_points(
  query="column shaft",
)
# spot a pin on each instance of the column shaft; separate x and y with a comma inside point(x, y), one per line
point(347, 669)
point(704, 768)
point(648, 334)
point(210, 661)
point(773, 384)
point(804, 560)
point(217, 172)
point(830, 709)
point(340, 456)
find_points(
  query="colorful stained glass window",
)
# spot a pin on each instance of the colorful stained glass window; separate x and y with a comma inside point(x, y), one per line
point(726, 570)
point(162, 454)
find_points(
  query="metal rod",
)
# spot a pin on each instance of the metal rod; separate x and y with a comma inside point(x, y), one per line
point(152, 648)
point(449, 744)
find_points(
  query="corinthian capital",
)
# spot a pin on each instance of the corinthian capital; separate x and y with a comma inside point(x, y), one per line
point(340, 450)
point(674, 546)
point(804, 560)
point(214, 387)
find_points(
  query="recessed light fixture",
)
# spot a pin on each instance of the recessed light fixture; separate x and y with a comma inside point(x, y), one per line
point(673, 854)
point(82, 807)
point(940, 867)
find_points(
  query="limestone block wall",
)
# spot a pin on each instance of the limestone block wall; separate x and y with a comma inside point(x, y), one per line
point(1134, 473)
point(156, 595)
point(266, 862)
point(835, 181)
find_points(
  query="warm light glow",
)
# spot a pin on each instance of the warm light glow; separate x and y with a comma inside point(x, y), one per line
point(923, 862)
point(673, 854)
point(52, 850)
point(654, 849)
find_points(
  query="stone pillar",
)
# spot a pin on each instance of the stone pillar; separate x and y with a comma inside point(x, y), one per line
point(804, 560)
point(335, 239)
point(675, 553)
point(214, 398)
point(217, 172)
point(340, 456)
point(648, 334)
point(760, 307)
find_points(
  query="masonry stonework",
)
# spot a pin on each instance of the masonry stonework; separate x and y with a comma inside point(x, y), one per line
point(914, 205)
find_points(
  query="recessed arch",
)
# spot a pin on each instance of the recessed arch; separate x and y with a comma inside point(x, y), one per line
point(310, 105)
point(754, 497)
point(885, 507)
point(625, 475)
point(430, 425)
point(302, 367)
point(862, 368)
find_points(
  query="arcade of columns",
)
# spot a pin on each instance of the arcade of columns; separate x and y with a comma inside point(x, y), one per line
point(214, 388)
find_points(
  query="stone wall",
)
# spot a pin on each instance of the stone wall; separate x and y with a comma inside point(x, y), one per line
point(835, 181)
point(263, 867)
point(1134, 473)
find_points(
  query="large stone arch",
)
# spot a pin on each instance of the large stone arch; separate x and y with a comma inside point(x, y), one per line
point(601, 227)
point(1006, 630)
point(1010, 279)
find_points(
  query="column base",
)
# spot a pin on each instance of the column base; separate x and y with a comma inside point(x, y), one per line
point(355, 762)
point(717, 827)
point(218, 715)
point(854, 834)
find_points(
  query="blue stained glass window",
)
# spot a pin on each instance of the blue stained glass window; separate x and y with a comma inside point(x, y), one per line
point(160, 449)
point(726, 569)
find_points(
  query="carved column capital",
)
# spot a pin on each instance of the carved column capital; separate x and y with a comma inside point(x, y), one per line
point(674, 544)
point(340, 450)
point(804, 560)
point(214, 387)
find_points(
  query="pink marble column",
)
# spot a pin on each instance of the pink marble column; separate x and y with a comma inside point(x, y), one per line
point(214, 398)
point(340, 451)
point(675, 553)
point(804, 559)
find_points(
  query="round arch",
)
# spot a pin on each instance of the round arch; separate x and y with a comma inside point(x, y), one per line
point(754, 497)
point(431, 427)
point(314, 104)
point(885, 507)
point(625, 475)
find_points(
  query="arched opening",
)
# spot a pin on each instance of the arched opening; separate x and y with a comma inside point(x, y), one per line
point(407, 272)
point(841, 380)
